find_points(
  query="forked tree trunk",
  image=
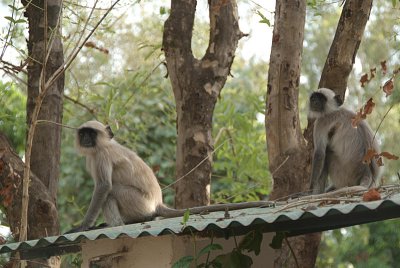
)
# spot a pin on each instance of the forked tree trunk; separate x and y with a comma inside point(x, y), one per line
point(342, 53)
point(196, 85)
point(288, 162)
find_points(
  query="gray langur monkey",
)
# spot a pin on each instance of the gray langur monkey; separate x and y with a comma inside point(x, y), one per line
point(126, 189)
point(339, 148)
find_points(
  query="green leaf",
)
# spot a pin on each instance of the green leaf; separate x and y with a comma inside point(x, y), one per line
point(235, 259)
point(394, 3)
point(185, 217)
point(10, 19)
point(277, 240)
point(163, 10)
point(263, 18)
point(252, 242)
point(20, 21)
point(209, 248)
point(13, 7)
point(183, 262)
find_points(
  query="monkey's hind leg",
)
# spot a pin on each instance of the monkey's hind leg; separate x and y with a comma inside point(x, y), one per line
point(368, 179)
point(111, 213)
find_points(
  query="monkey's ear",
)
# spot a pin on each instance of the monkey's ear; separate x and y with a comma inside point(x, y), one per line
point(109, 131)
point(338, 100)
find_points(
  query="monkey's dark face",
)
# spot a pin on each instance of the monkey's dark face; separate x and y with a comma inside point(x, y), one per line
point(87, 137)
point(318, 102)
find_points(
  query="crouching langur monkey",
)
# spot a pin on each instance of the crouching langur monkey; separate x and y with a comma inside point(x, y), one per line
point(339, 148)
point(126, 189)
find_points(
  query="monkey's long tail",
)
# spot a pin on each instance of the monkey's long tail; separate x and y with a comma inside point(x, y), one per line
point(166, 212)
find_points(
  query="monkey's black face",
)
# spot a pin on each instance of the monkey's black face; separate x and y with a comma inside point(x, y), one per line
point(317, 102)
point(87, 137)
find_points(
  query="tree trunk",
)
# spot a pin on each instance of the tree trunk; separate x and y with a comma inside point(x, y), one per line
point(46, 56)
point(197, 85)
point(288, 162)
point(42, 216)
point(290, 159)
point(45, 160)
point(342, 53)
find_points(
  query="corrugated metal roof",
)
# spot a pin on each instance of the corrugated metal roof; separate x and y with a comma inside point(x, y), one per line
point(294, 220)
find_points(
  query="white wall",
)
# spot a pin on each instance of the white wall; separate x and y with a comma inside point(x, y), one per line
point(161, 251)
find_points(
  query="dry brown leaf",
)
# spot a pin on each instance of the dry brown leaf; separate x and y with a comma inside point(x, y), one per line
point(384, 67)
point(389, 156)
point(357, 118)
point(371, 153)
point(93, 45)
point(364, 79)
point(369, 107)
point(371, 195)
point(388, 87)
point(373, 72)
point(90, 44)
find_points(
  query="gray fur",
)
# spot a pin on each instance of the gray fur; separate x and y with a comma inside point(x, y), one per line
point(339, 149)
point(126, 190)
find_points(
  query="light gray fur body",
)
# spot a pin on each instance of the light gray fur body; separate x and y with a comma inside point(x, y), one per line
point(339, 149)
point(126, 189)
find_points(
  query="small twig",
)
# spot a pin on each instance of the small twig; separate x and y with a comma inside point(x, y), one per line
point(209, 252)
point(190, 171)
point(383, 119)
point(55, 123)
point(294, 204)
point(284, 161)
point(291, 250)
point(140, 85)
point(8, 33)
point(71, 58)
point(34, 120)
point(90, 110)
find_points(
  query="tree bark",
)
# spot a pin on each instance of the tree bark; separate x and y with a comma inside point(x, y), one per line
point(342, 53)
point(45, 57)
point(196, 85)
point(45, 160)
point(288, 162)
point(42, 215)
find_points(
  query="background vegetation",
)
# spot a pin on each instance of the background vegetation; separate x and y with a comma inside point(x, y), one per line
point(124, 83)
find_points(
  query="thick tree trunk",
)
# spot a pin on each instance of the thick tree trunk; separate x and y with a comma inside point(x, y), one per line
point(197, 85)
point(46, 56)
point(45, 160)
point(288, 162)
point(342, 53)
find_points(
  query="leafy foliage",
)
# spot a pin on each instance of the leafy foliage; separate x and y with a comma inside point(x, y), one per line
point(13, 114)
point(251, 242)
point(368, 245)
point(240, 138)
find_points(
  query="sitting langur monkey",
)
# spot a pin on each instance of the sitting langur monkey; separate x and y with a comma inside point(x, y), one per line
point(126, 189)
point(339, 148)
